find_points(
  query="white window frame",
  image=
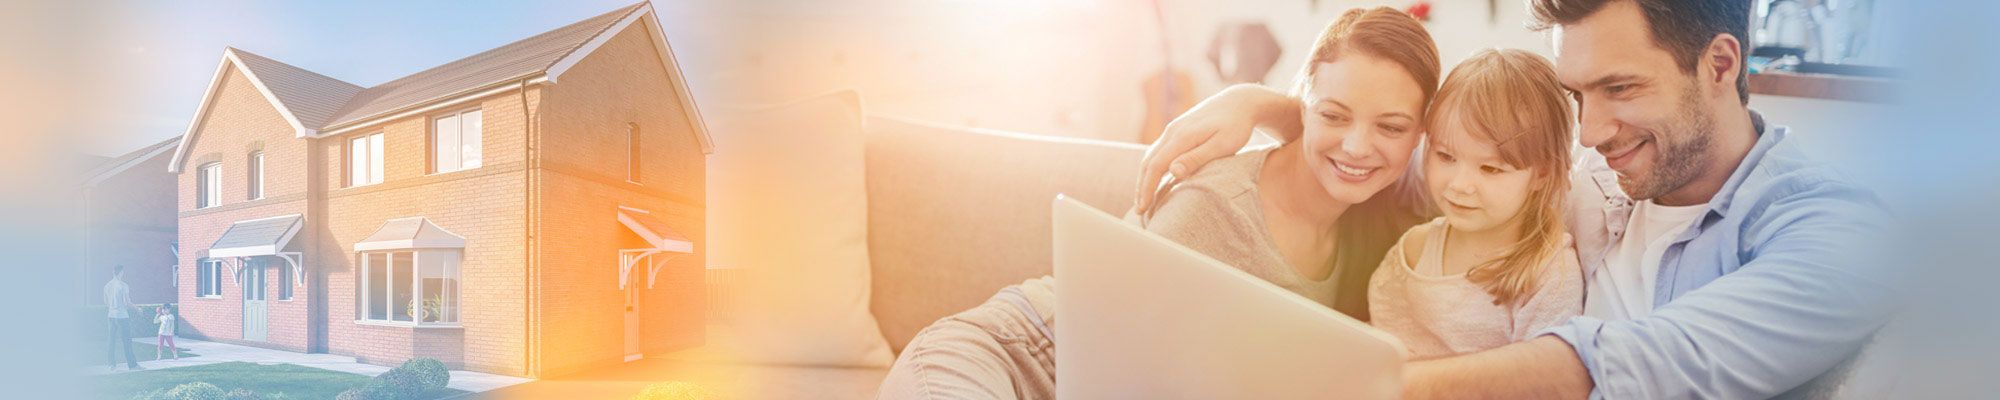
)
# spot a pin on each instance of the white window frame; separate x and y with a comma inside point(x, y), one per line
point(453, 301)
point(632, 158)
point(208, 185)
point(256, 175)
point(459, 141)
point(285, 283)
point(211, 289)
point(364, 160)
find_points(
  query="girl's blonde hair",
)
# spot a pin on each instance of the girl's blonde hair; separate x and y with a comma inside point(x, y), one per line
point(1511, 98)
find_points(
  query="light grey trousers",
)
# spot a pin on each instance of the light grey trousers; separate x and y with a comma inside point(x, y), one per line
point(1001, 349)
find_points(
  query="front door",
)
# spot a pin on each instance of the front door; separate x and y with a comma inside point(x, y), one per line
point(254, 326)
point(632, 303)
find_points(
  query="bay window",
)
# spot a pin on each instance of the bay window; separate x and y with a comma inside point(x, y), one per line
point(416, 287)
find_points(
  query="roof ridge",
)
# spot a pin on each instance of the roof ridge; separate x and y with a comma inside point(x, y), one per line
point(504, 46)
point(113, 163)
point(241, 52)
point(628, 10)
point(356, 108)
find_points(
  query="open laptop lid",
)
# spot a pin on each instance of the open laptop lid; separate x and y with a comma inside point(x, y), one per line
point(1144, 317)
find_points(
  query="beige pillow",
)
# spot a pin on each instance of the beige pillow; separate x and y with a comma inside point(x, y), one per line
point(788, 207)
point(956, 213)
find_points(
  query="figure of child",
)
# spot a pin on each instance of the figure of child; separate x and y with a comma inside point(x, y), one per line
point(165, 318)
point(1498, 267)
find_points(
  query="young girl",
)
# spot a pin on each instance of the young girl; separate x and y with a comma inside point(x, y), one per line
point(165, 318)
point(1497, 267)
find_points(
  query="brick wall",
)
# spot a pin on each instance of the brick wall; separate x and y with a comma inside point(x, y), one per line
point(239, 120)
point(583, 182)
point(485, 205)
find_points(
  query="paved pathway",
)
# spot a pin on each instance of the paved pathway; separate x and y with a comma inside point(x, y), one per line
point(213, 352)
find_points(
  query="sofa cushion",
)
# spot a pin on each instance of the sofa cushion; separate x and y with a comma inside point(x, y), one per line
point(788, 206)
point(955, 214)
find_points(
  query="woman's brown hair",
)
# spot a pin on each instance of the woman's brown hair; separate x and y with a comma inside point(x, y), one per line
point(1380, 32)
point(1511, 98)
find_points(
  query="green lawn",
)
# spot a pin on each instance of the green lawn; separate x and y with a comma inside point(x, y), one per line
point(141, 351)
point(294, 381)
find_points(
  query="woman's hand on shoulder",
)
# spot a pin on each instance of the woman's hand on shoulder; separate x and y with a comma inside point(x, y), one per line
point(1215, 128)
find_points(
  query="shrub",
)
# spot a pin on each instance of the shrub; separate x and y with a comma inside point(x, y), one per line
point(674, 391)
point(398, 384)
point(196, 391)
point(408, 381)
point(156, 394)
point(360, 393)
point(243, 394)
point(430, 371)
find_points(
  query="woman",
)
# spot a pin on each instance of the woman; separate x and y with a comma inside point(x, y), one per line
point(1305, 215)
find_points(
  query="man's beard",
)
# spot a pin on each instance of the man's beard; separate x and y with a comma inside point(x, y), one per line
point(1681, 149)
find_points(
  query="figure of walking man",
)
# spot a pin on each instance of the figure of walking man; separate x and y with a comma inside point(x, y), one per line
point(117, 301)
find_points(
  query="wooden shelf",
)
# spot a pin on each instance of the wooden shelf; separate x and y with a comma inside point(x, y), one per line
point(1823, 86)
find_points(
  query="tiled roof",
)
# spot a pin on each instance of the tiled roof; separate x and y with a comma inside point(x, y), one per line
point(119, 163)
point(263, 236)
point(512, 61)
point(311, 97)
point(320, 104)
point(654, 231)
point(410, 233)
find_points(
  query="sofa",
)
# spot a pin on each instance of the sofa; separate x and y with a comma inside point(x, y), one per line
point(953, 215)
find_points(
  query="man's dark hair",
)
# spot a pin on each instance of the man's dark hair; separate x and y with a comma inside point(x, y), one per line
point(118, 269)
point(1682, 27)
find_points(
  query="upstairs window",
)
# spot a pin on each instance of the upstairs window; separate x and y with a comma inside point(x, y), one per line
point(632, 160)
point(256, 175)
point(364, 160)
point(208, 185)
point(455, 141)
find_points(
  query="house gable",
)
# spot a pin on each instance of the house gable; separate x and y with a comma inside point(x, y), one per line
point(646, 19)
point(230, 95)
point(290, 79)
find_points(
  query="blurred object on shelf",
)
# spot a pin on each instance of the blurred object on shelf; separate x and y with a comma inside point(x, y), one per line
point(1421, 10)
point(1828, 31)
point(1243, 52)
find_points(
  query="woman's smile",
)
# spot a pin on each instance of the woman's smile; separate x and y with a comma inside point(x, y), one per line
point(1350, 172)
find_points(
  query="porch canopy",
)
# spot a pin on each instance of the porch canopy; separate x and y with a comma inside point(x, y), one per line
point(410, 233)
point(657, 235)
point(261, 237)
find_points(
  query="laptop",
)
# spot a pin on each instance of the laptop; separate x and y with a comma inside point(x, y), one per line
point(1143, 317)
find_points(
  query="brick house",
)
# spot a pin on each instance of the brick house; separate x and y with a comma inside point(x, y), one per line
point(128, 222)
point(530, 210)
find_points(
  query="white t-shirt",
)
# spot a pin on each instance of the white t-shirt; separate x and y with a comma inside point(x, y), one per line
point(1624, 288)
point(166, 324)
point(116, 297)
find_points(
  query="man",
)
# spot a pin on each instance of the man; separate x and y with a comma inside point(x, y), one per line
point(1721, 261)
point(118, 299)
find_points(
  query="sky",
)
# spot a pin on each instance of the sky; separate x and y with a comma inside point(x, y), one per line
point(131, 73)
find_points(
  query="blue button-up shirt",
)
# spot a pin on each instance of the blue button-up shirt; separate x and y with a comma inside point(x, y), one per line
point(1775, 285)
